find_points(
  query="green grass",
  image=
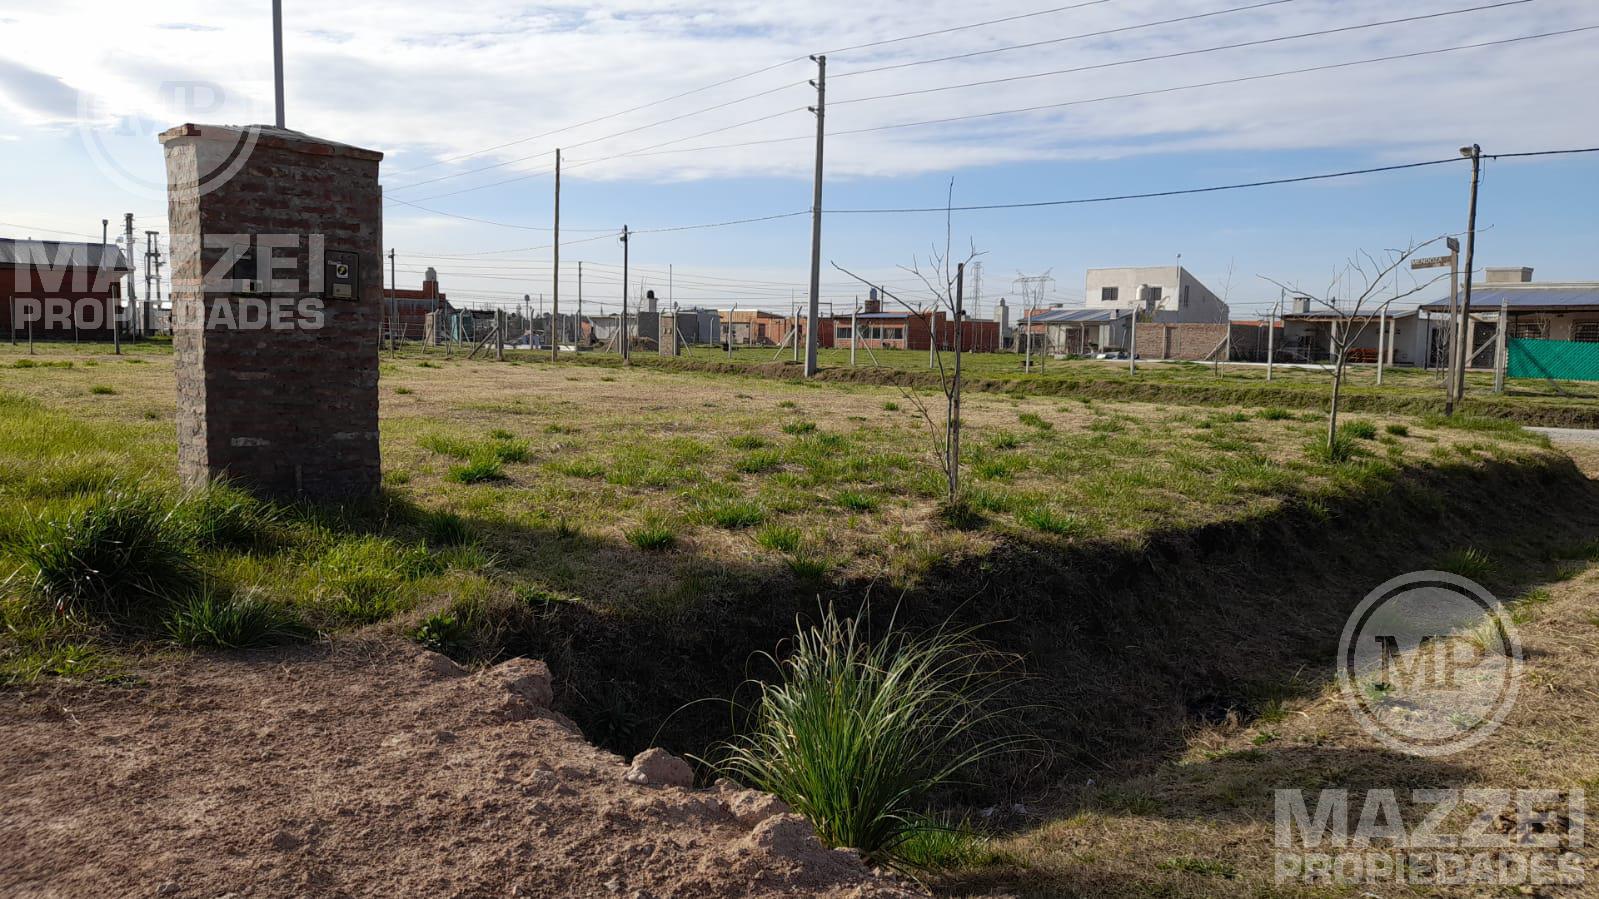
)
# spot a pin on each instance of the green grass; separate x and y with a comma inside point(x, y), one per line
point(799, 427)
point(1034, 420)
point(1397, 430)
point(652, 536)
point(442, 632)
point(118, 554)
point(103, 390)
point(856, 501)
point(477, 470)
point(1470, 562)
point(1359, 429)
point(856, 734)
point(779, 538)
point(733, 514)
point(747, 441)
point(213, 620)
point(1043, 518)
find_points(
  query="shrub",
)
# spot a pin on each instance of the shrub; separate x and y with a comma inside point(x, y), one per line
point(855, 734)
point(477, 470)
point(856, 501)
point(105, 558)
point(779, 538)
point(233, 622)
point(799, 427)
point(653, 535)
point(1359, 429)
point(441, 632)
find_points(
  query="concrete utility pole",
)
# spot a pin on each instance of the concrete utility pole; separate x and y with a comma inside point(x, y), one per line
point(555, 287)
point(116, 317)
point(1132, 344)
point(623, 332)
point(149, 269)
point(1474, 153)
point(816, 217)
point(577, 336)
point(1382, 339)
point(854, 330)
point(127, 224)
point(1271, 333)
point(277, 57)
point(1453, 325)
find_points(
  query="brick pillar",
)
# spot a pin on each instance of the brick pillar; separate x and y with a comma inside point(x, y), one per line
point(283, 403)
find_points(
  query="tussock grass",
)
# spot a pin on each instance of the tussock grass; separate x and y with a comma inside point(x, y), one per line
point(779, 538)
point(652, 536)
point(477, 470)
point(857, 733)
point(1469, 562)
point(117, 554)
point(799, 427)
point(212, 619)
point(856, 501)
point(1359, 429)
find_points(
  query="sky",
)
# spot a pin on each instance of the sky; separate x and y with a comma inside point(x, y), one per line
point(469, 99)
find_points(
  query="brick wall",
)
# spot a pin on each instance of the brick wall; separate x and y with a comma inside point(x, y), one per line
point(1179, 341)
point(285, 411)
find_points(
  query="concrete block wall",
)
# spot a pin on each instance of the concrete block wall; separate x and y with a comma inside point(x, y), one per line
point(284, 411)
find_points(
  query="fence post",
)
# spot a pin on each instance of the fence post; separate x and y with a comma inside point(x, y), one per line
point(1501, 351)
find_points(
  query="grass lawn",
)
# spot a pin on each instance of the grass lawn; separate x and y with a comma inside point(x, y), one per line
point(1404, 390)
point(644, 528)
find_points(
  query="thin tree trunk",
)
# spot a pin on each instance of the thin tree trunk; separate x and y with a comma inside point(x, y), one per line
point(1332, 415)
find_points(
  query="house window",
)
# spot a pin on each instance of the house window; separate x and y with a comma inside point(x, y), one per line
point(894, 333)
point(1587, 332)
point(1183, 301)
point(1108, 294)
point(1531, 330)
point(842, 332)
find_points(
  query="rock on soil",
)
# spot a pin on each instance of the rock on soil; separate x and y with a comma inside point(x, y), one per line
point(370, 769)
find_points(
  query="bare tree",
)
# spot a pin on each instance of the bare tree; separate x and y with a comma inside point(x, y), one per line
point(1367, 274)
point(942, 278)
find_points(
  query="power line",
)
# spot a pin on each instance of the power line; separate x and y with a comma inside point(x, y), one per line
point(1185, 53)
point(955, 28)
point(1060, 40)
point(1129, 95)
point(598, 119)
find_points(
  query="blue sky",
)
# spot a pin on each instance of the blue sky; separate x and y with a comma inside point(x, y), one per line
point(434, 87)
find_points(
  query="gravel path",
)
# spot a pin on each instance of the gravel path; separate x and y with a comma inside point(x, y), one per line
point(373, 769)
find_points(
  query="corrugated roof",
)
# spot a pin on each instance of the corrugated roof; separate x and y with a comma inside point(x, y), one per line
point(1075, 316)
point(1554, 298)
point(55, 253)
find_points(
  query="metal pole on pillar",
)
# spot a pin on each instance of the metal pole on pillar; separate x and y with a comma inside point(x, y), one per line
point(555, 289)
point(623, 332)
point(820, 109)
point(277, 58)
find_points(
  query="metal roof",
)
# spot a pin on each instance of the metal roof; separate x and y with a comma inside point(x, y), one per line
point(58, 254)
point(1075, 316)
point(1551, 298)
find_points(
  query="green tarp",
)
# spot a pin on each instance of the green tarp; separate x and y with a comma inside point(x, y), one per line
point(1565, 360)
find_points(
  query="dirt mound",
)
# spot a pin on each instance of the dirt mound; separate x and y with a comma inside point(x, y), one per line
point(368, 769)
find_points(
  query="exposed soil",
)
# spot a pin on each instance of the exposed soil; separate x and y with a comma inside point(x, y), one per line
point(367, 768)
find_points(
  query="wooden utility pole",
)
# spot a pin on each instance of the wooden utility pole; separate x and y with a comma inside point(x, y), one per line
point(820, 109)
point(555, 286)
point(1474, 153)
point(626, 359)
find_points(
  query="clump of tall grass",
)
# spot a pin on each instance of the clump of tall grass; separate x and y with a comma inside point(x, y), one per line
point(233, 622)
point(653, 534)
point(1359, 429)
point(1470, 562)
point(779, 538)
point(106, 558)
point(476, 470)
point(224, 517)
point(856, 733)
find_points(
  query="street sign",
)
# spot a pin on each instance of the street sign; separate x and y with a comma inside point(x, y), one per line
point(1431, 262)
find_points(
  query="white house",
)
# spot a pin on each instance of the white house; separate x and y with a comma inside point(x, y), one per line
point(1162, 293)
